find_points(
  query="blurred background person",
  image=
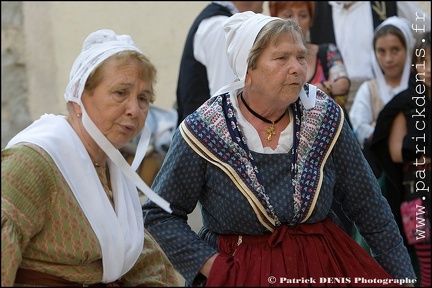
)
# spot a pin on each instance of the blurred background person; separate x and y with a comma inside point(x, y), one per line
point(402, 144)
point(351, 24)
point(326, 68)
point(204, 67)
point(393, 44)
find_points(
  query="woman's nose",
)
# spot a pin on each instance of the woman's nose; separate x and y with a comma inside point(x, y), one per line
point(133, 107)
point(294, 66)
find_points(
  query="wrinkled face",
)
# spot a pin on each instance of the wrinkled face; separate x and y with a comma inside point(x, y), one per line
point(281, 70)
point(119, 104)
point(298, 13)
point(391, 55)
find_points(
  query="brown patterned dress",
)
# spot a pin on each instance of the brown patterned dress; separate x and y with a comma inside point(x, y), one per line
point(44, 229)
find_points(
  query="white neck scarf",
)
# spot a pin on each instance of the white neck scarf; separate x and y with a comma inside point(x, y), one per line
point(121, 231)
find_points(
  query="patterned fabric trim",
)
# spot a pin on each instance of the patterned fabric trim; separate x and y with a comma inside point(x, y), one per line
point(254, 202)
point(319, 131)
point(215, 136)
point(212, 132)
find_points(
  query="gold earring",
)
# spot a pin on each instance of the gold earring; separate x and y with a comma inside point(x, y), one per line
point(79, 115)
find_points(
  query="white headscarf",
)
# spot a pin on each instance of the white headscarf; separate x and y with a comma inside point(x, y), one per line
point(404, 26)
point(97, 47)
point(241, 30)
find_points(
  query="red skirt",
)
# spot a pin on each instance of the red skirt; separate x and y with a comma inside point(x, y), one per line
point(314, 255)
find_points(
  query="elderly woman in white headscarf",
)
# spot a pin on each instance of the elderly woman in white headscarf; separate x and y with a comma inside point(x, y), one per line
point(71, 214)
point(264, 158)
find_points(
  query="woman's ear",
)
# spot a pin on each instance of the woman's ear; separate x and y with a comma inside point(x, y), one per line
point(77, 108)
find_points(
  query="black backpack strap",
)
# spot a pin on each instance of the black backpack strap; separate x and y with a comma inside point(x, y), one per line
point(322, 28)
point(322, 55)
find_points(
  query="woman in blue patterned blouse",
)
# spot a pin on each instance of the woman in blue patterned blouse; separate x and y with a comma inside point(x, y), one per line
point(264, 157)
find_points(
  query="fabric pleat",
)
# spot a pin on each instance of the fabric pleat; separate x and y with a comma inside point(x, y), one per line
point(306, 255)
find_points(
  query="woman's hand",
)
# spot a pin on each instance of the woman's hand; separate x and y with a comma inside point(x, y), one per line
point(205, 269)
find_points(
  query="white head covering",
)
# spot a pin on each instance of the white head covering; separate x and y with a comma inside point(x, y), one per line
point(241, 30)
point(404, 26)
point(97, 47)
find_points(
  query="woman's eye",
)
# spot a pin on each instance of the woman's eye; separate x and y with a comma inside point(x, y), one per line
point(121, 93)
point(395, 50)
point(143, 99)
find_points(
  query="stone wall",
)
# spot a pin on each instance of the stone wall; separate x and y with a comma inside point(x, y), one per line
point(14, 89)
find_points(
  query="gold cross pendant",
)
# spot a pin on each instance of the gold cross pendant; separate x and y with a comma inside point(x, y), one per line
point(270, 132)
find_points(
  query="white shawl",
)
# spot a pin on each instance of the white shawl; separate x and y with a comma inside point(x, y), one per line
point(120, 231)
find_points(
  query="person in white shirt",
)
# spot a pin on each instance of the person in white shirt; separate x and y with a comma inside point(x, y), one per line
point(204, 66)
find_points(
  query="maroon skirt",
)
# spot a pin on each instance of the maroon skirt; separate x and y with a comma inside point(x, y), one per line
point(318, 255)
